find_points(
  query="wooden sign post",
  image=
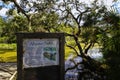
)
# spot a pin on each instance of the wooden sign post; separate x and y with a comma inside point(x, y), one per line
point(40, 56)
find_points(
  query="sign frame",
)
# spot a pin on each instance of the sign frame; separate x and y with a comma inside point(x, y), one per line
point(39, 35)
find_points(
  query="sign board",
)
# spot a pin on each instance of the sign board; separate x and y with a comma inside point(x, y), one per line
point(39, 54)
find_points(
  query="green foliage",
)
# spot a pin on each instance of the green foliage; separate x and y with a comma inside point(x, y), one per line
point(111, 49)
point(90, 34)
point(42, 22)
point(2, 24)
point(12, 26)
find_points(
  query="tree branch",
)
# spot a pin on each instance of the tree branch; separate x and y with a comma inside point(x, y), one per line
point(20, 9)
point(79, 46)
point(86, 50)
point(73, 67)
point(73, 49)
point(67, 34)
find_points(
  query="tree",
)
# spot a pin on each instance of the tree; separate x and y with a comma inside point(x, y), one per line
point(85, 22)
point(25, 7)
point(12, 26)
point(111, 45)
point(40, 20)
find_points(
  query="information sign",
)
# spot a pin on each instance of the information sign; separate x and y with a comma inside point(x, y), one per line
point(39, 54)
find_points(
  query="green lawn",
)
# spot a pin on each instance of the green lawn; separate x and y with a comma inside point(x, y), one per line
point(7, 52)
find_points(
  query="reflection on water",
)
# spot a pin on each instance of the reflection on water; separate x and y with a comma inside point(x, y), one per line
point(73, 74)
point(95, 53)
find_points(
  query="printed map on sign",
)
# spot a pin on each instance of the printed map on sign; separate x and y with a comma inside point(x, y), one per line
point(40, 52)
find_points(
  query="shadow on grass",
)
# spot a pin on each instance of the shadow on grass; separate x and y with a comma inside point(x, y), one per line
point(10, 49)
point(8, 59)
point(12, 58)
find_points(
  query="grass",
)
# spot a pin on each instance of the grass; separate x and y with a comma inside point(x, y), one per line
point(7, 52)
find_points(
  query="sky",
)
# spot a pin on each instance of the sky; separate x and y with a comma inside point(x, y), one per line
point(6, 7)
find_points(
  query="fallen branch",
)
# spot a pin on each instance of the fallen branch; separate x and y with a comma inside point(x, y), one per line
point(13, 76)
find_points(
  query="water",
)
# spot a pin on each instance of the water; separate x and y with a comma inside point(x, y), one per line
point(73, 74)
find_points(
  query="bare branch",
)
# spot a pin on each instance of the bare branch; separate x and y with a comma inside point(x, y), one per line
point(73, 67)
point(73, 17)
point(86, 50)
point(79, 46)
point(73, 49)
point(67, 34)
point(86, 43)
point(20, 9)
point(77, 43)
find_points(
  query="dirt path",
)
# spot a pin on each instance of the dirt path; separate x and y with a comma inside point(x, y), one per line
point(7, 70)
